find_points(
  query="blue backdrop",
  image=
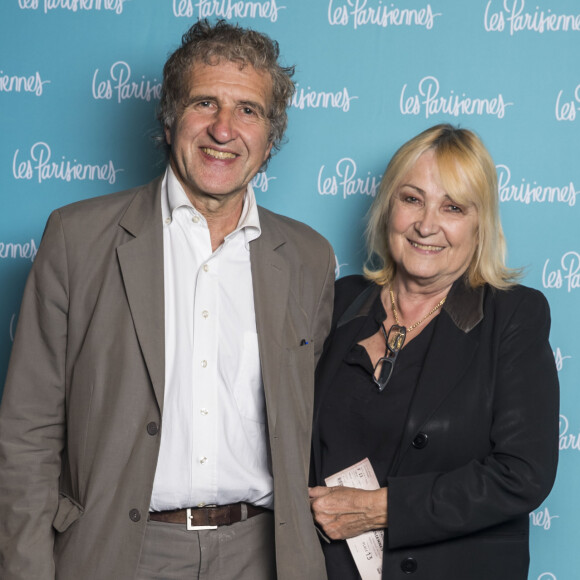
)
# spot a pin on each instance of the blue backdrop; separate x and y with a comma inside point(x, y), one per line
point(79, 83)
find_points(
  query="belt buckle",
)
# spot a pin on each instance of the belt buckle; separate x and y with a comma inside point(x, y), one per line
point(191, 527)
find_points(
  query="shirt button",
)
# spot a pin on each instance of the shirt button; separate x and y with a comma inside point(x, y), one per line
point(168, 220)
point(203, 460)
point(204, 411)
point(195, 219)
point(205, 267)
point(203, 363)
point(205, 313)
point(200, 504)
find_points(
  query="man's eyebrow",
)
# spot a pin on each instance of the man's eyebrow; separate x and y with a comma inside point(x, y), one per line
point(198, 99)
point(246, 103)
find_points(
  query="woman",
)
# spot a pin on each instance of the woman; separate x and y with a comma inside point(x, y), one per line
point(459, 414)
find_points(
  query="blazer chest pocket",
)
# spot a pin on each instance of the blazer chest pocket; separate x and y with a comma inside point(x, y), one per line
point(68, 512)
point(301, 357)
point(298, 368)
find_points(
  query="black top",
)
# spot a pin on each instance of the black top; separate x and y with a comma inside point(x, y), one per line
point(358, 421)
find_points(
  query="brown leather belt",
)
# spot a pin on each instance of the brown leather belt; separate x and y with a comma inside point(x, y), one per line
point(208, 517)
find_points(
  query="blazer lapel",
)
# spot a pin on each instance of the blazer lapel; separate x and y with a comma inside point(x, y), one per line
point(336, 347)
point(271, 283)
point(450, 353)
point(338, 344)
point(141, 263)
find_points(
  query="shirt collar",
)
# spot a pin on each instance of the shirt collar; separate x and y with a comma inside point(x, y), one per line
point(173, 197)
point(249, 220)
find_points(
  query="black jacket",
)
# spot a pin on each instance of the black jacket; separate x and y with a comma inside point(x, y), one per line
point(480, 445)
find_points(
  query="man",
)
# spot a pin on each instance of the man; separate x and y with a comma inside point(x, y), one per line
point(165, 354)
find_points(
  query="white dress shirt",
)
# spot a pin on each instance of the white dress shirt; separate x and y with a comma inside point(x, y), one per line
point(214, 447)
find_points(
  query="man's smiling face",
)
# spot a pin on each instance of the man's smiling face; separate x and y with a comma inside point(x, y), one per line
point(221, 136)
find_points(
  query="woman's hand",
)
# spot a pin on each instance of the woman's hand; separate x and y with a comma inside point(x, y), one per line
point(345, 512)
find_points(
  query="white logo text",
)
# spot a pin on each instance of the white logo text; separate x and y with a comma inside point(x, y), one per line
point(309, 99)
point(359, 13)
point(228, 9)
point(346, 181)
point(123, 87)
point(568, 440)
point(115, 6)
point(22, 84)
point(15, 250)
point(427, 101)
point(514, 18)
point(528, 193)
point(542, 519)
point(567, 276)
point(39, 164)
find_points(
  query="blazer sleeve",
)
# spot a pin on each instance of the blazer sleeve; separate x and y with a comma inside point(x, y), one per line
point(519, 471)
point(32, 416)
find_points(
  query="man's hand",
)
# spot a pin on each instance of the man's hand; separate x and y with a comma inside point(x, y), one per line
point(345, 512)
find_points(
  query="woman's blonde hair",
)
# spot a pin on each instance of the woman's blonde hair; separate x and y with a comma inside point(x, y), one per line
point(469, 176)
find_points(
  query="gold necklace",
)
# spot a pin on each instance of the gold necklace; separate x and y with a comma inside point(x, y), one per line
point(413, 326)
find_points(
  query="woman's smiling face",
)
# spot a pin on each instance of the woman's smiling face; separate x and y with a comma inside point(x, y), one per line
point(432, 239)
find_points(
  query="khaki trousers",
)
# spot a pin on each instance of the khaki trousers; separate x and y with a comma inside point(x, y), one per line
point(242, 551)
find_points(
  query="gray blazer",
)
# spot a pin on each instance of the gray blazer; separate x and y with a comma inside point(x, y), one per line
point(81, 417)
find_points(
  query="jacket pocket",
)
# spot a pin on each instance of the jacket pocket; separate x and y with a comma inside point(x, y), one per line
point(68, 512)
point(302, 358)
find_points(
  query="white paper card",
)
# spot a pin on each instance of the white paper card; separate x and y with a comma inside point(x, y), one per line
point(366, 549)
